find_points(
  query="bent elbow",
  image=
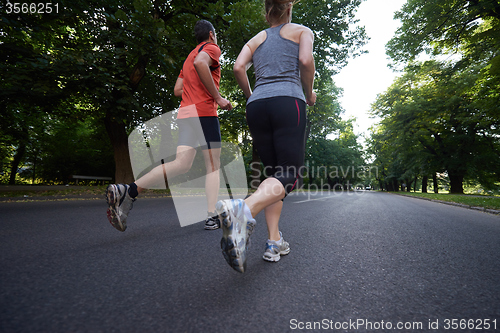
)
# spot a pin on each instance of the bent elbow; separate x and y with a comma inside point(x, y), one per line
point(196, 64)
point(306, 62)
point(238, 69)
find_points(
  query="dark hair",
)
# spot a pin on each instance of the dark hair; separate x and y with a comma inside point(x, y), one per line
point(202, 30)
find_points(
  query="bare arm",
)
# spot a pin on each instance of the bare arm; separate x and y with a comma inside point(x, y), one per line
point(306, 65)
point(243, 62)
point(178, 88)
point(202, 64)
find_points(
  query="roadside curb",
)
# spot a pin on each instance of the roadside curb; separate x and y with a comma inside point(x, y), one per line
point(456, 204)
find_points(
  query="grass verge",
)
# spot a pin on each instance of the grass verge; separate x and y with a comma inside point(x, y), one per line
point(69, 192)
point(80, 191)
point(487, 202)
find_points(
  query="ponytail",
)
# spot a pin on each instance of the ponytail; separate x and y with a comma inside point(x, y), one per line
point(275, 9)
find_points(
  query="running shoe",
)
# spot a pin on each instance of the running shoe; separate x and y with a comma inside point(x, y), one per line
point(120, 204)
point(274, 250)
point(236, 231)
point(212, 222)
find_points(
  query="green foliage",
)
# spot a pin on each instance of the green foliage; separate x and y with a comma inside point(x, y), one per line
point(74, 148)
point(468, 27)
point(58, 149)
point(432, 121)
point(337, 161)
point(332, 24)
point(443, 117)
point(487, 202)
point(115, 63)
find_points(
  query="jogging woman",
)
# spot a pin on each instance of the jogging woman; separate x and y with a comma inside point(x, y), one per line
point(276, 115)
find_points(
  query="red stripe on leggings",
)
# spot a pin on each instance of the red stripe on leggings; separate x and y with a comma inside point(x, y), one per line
point(298, 113)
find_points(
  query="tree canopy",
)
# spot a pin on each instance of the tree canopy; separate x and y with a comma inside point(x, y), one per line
point(468, 27)
point(442, 116)
point(112, 65)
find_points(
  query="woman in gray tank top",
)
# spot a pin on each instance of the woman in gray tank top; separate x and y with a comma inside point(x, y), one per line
point(276, 115)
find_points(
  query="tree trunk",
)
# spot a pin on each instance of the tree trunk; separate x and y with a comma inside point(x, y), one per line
point(435, 182)
point(119, 140)
point(424, 184)
point(456, 183)
point(33, 179)
point(138, 72)
point(408, 185)
point(116, 130)
point(415, 184)
point(20, 151)
point(395, 185)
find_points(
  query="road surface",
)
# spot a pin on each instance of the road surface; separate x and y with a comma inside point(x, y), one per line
point(360, 262)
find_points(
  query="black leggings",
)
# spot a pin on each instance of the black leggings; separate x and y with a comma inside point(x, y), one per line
point(278, 128)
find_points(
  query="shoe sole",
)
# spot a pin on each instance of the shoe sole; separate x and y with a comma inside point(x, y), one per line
point(277, 257)
point(235, 255)
point(111, 199)
point(212, 228)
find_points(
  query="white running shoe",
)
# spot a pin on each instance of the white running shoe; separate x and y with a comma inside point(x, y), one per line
point(236, 231)
point(120, 204)
point(212, 222)
point(274, 250)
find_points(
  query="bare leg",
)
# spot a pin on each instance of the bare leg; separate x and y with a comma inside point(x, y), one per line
point(212, 180)
point(268, 196)
point(273, 213)
point(183, 161)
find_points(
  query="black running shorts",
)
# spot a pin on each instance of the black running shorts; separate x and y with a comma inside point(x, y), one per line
point(190, 135)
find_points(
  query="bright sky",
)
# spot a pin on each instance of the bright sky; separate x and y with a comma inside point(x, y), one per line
point(368, 75)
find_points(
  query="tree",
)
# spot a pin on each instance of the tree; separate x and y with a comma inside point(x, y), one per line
point(77, 149)
point(121, 58)
point(452, 109)
point(335, 163)
point(431, 121)
point(470, 28)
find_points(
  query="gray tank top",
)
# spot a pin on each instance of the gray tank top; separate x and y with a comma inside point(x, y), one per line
point(276, 65)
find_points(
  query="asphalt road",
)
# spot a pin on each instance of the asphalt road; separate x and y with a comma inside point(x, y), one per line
point(356, 260)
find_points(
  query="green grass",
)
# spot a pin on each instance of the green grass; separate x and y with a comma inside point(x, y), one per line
point(70, 193)
point(488, 202)
point(87, 191)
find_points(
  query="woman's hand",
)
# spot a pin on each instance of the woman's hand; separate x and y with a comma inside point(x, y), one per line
point(311, 100)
